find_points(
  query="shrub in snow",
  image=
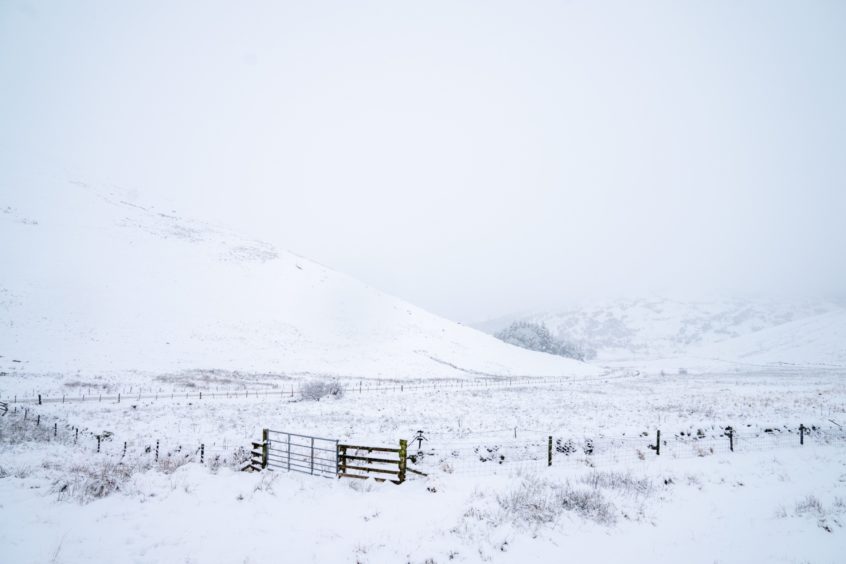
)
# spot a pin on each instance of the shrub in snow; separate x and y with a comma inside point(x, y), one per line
point(622, 481)
point(314, 390)
point(317, 389)
point(94, 481)
point(335, 389)
point(809, 504)
point(537, 501)
point(536, 337)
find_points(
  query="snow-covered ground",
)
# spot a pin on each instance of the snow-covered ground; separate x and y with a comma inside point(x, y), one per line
point(771, 500)
point(208, 337)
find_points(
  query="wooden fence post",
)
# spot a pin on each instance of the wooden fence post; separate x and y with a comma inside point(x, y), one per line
point(342, 460)
point(264, 437)
point(98, 443)
point(157, 450)
point(202, 453)
point(39, 399)
point(731, 439)
point(403, 457)
point(548, 450)
point(801, 434)
point(658, 443)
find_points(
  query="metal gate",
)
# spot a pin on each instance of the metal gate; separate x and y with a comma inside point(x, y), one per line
point(301, 453)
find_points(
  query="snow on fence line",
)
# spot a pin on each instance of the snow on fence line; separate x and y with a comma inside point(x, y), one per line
point(422, 454)
point(24, 424)
point(297, 392)
point(487, 455)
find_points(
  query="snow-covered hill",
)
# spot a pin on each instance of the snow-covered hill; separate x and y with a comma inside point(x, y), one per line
point(95, 281)
point(732, 330)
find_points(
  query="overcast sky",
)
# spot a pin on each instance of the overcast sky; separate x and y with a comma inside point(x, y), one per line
point(475, 158)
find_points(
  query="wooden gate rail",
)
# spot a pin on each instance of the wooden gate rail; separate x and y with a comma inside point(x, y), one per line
point(395, 467)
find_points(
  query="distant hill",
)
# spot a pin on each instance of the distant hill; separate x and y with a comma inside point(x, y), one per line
point(769, 331)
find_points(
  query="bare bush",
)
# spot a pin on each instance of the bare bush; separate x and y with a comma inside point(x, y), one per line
point(171, 463)
point(94, 481)
point(318, 389)
point(335, 389)
point(809, 504)
point(537, 501)
point(314, 390)
point(622, 481)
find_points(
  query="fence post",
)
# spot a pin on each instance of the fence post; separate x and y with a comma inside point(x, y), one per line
point(337, 460)
point(264, 438)
point(39, 399)
point(55, 428)
point(548, 449)
point(38, 421)
point(403, 455)
point(118, 397)
point(98, 443)
point(124, 449)
point(342, 460)
point(801, 434)
point(157, 450)
point(202, 453)
point(731, 438)
point(658, 443)
point(75, 435)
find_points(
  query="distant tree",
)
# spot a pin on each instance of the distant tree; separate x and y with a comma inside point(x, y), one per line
point(537, 337)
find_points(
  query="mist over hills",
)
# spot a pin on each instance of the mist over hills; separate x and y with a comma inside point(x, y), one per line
point(740, 330)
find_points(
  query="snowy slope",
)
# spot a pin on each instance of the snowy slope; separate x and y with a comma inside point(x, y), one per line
point(725, 328)
point(817, 340)
point(95, 281)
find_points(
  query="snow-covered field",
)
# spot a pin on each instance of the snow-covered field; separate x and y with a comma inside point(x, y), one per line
point(186, 340)
point(771, 500)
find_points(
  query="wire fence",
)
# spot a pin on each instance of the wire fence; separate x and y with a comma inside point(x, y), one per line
point(486, 452)
point(25, 425)
point(481, 454)
point(301, 390)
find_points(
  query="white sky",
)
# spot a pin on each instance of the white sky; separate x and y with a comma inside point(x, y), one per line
point(475, 158)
